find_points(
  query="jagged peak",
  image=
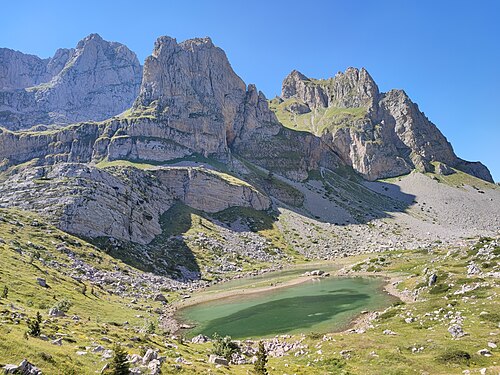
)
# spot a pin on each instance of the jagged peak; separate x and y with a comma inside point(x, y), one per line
point(92, 38)
point(197, 42)
point(168, 43)
point(296, 75)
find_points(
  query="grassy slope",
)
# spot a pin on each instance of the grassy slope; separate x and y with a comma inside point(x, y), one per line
point(371, 352)
point(319, 120)
point(100, 315)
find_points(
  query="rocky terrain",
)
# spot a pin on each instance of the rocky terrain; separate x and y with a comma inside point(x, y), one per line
point(93, 81)
point(146, 184)
point(378, 134)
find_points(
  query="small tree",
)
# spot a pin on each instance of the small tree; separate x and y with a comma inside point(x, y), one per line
point(34, 327)
point(119, 364)
point(38, 317)
point(5, 292)
point(260, 365)
point(224, 347)
point(150, 327)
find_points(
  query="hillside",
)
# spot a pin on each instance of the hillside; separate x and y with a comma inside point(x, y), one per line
point(110, 302)
point(141, 188)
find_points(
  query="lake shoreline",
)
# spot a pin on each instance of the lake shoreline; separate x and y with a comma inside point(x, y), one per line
point(175, 324)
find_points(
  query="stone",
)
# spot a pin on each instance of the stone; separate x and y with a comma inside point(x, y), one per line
point(485, 353)
point(24, 368)
point(432, 279)
point(55, 312)
point(149, 356)
point(443, 169)
point(41, 282)
point(389, 332)
point(492, 345)
point(456, 331)
point(154, 367)
point(160, 297)
point(317, 273)
point(57, 342)
point(200, 339)
point(218, 360)
point(473, 269)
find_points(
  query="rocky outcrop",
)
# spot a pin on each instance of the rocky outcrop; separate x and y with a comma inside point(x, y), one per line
point(94, 81)
point(378, 134)
point(192, 102)
point(193, 90)
point(124, 203)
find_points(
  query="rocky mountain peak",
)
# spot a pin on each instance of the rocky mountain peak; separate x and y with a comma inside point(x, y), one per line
point(194, 72)
point(91, 38)
point(96, 80)
point(378, 134)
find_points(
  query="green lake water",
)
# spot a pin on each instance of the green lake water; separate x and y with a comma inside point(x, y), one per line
point(322, 305)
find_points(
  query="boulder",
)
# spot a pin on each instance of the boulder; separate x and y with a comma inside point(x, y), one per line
point(218, 360)
point(160, 297)
point(149, 356)
point(443, 169)
point(41, 282)
point(432, 279)
point(200, 339)
point(55, 312)
point(456, 331)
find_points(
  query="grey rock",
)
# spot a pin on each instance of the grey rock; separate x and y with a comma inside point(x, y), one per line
point(94, 81)
point(432, 279)
point(200, 339)
point(443, 169)
point(24, 368)
point(57, 342)
point(149, 356)
point(473, 269)
point(456, 331)
point(99, 208)
point(41, 282)
point(160, 297)
point(54, 312)
point(218, 360)
point(485, 353)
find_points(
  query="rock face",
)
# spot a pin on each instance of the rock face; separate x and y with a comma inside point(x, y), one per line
point(190, 104)
point(378, 134)
point(124, 203)
point(94, 81)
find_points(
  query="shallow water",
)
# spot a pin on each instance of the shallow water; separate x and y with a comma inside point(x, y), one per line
point(322, 305)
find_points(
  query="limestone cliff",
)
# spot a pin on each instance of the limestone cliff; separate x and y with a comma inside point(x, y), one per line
point(378, 134)
point(94, 81)
point(122, 202)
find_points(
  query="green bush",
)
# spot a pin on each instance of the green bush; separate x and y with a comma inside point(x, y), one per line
point(119, 364)
point(457, 357)
point(224, 347)
point(388, 314)
point(63, 305)
point(439, 288)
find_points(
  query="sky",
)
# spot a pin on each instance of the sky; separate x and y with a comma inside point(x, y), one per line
point(444, 54)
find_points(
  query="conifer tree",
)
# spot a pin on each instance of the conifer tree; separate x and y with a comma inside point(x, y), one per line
point(260, 364)
point(119, 364)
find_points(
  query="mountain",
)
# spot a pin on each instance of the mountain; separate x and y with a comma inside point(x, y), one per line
point(94, 81)
point(378, 134)
point(197, 136)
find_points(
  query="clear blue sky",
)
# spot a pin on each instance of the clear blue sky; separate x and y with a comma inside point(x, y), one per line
point(444, 54)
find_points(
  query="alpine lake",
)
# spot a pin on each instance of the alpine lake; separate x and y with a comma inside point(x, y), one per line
point(318, 305)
